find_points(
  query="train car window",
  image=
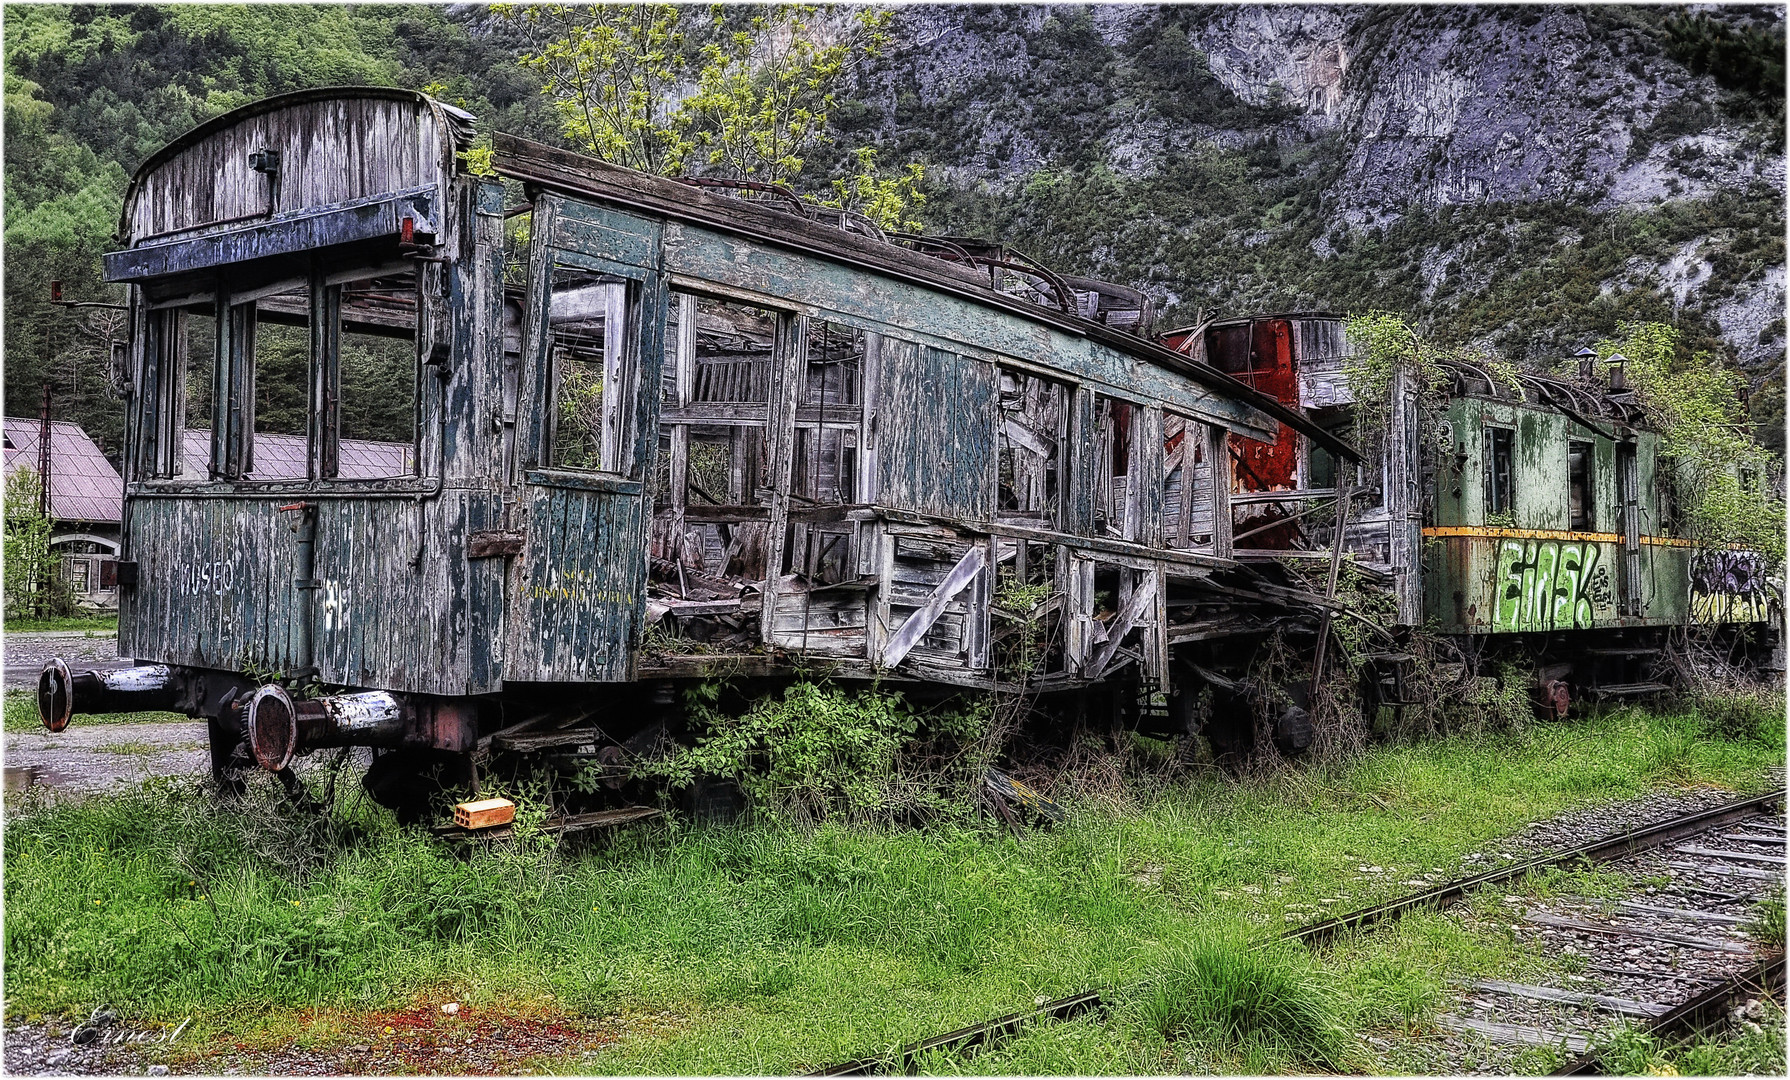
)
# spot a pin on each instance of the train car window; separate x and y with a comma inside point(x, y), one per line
point(824, 471)
point(1580, 466)
point(1188, 509)
point(1228, 348)
point(376, 382)
point(1033, 412)
point(191, 341)
point(278, 346)
point(1500, 478)
point(714, 486)
point(826, 460)
point(1114, 423)
point(1665, 485)
point(587, 356)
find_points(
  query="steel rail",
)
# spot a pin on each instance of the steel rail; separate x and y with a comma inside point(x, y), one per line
point(1699, 1014)
point(1608, 849)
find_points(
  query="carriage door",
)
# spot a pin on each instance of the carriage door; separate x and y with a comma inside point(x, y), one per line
point(1629, 500)
point(592, 352)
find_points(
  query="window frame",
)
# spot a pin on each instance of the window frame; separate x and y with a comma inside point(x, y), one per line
point(165, 343)
point(630, 463)
point(1583, 478)
point(1493, 434)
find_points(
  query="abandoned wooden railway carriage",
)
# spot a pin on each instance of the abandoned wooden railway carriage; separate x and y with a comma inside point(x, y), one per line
point(683, 433)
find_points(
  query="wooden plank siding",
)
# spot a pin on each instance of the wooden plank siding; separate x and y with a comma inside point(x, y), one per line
point(936, 432)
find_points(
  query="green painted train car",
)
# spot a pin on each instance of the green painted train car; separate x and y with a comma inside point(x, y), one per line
point(1552, 510)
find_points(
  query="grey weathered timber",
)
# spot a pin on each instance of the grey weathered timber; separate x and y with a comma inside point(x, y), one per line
point(1624, 1006)
point(922, 620)
point(1514, 1034)
point(1636, 932)
point(1731, 856)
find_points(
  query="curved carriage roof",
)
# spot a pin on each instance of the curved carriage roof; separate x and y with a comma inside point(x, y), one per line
point(335, 120)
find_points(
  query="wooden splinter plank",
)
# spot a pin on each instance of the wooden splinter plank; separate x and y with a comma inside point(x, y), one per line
point(1121, 626)
point(1513, 1034)
point(1683, 913)
point(1724, 870)
point(1625, 1006)
point(921, 621)
point(1733, 856)
point(1637, 932)
point(1755, 838)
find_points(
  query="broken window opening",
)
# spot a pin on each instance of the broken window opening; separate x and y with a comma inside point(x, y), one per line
point(588, 357)
point(1580, 461)
point(824, 469)
point(375, 384)
point(1114, 501)
point(1033, 413)
point(1026, 625)
point(1188, 495)
point(1500, 473)
point(714, 489)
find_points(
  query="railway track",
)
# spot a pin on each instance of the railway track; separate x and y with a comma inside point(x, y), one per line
point(1672, 959)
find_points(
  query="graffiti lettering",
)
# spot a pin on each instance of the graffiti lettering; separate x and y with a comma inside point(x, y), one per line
point(1549, 585)
point(1731, 586)
point(210, 577)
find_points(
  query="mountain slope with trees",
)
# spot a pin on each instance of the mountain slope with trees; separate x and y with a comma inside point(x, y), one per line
point(1520, 179)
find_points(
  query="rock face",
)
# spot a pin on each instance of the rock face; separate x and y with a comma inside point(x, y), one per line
point(1391, 111)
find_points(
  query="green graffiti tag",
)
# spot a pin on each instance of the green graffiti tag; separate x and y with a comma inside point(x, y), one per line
point(1549, 585)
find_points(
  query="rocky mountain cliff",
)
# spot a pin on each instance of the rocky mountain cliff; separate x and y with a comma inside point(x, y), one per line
point(1521, 176)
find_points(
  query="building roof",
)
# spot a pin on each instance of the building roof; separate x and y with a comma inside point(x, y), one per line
point(284, 457)
point(83, 484)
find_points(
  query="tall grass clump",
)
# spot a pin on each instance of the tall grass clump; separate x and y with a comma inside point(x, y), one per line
point(1260, 1001)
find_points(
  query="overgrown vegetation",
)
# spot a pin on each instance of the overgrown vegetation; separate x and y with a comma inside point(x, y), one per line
point(777, 948)
point(1241, 997)
point(1728, 485)
point(820, 751)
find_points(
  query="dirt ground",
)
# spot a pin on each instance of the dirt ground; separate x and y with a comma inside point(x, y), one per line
point(26, 653)
point(97, 757)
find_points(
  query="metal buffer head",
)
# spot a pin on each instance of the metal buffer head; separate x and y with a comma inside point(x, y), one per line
point(61, 693)
point(281, 729)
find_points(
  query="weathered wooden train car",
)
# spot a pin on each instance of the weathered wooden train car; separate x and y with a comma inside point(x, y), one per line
point(1535, 511)
point(701, 434)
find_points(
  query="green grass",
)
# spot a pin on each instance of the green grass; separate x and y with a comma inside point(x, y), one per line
point(1752, 1048)
point(102, 625)
point(21, 715)
point(776, 949)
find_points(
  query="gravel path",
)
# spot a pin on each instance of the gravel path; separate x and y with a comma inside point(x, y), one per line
point(26, 653)
point(99, 756)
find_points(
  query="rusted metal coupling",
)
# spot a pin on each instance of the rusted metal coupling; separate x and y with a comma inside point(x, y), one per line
point(281, 729)
point(61, 694)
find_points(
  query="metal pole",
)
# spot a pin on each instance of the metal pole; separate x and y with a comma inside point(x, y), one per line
point(43, 443)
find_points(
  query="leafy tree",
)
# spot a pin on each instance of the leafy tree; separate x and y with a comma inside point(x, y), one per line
point(886, 201)
point(765, 89)
point(33, 586)
point(1724, 477)
point(612, 72)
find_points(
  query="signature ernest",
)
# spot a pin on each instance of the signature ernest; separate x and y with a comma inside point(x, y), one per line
point(103, 1029)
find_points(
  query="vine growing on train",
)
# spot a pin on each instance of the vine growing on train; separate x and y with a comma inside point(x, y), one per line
point(1727, 484)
